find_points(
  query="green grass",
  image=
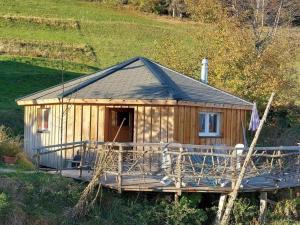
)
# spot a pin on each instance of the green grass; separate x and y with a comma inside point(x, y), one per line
point(20, 76)
point(114, 34)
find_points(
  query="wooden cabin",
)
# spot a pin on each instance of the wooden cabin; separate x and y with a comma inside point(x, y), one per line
point(158, 104)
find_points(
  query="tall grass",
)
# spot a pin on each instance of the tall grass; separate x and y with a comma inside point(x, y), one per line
point(11, 145)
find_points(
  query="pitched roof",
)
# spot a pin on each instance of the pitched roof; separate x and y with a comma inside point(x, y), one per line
point(142, 79)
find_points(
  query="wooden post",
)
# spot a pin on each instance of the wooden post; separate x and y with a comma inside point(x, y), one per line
point(234, 167)
point(221, 207)
point(120, 164)
point(179, 172)
point(263, 207)
point(38, 159)
point(234, 193)
point(82, 159)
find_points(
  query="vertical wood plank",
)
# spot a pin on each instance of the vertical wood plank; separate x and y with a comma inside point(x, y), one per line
point(164, 124)
point(176, 123)
point(187, 125)
point(171, 124)
point(101, 122)
point(155, 124)
point(192, 126)
point(181, 125)
point(148, 125)
point(78, 119)
point(86, 116)
point(94, 123)
point(140, 124)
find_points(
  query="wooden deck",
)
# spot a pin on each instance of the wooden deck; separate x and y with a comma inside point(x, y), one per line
point(176, 168)
point(153, 183)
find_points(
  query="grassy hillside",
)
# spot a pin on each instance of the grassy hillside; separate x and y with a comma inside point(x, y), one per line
point(35, 36)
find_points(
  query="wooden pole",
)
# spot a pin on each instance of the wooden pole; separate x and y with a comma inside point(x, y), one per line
point(221, 207)
point(234, 193)
point(179, 172)
point(234, 167)
point(120, 160)
point(263, 207)
point(82, 159)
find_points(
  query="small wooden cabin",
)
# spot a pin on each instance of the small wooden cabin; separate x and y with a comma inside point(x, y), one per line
point(159, 104)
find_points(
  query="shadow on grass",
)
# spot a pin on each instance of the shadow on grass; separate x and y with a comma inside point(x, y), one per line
point(18, 79)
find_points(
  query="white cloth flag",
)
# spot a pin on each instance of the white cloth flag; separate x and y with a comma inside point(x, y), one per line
point(254, 121)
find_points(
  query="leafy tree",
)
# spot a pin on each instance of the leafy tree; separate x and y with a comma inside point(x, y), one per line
point(235, 65)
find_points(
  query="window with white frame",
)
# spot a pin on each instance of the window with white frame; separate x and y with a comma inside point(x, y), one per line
point(43, 119)
point(209, 124)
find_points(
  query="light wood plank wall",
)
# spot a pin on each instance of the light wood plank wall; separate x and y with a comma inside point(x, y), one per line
point(87, 122)
point(186, 126)
point(152, 124)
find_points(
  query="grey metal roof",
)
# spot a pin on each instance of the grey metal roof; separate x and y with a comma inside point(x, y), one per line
point(139, 78)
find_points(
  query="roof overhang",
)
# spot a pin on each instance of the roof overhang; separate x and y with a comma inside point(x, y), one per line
point(129, 102)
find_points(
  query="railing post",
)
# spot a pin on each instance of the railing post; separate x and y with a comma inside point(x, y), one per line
point(38, 159)
point(82, 159)
point(263, 207)
point(120, 165)
point(234, 167)
point(179, 172)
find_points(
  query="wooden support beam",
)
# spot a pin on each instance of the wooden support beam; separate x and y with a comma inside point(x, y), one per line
point(263, 207)
point(234, 193)
point(221, 207)
point(82, 159)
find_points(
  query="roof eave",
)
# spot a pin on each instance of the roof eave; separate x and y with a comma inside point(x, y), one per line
point(169, 102)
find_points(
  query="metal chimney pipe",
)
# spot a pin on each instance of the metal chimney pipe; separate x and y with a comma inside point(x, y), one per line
point(204, 71)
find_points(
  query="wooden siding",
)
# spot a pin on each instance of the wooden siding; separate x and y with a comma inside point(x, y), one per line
point(87, 122)
point(186, 124)
point(151, 124)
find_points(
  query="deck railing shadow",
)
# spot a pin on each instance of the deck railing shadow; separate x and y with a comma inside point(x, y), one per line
point(176, 166)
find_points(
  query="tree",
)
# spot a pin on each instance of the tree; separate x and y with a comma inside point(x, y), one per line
point(234, 64)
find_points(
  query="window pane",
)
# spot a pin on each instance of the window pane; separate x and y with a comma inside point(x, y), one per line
point(46, 118)
point(213, 123)
point(202, 123)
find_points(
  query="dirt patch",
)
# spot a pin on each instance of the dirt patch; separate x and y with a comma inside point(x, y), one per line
point(50, 22)
point(56, 50)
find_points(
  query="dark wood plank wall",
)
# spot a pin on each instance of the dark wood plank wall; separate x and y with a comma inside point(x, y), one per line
point(186, 125)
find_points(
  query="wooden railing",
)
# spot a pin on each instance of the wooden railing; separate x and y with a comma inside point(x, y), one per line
point(175, 165)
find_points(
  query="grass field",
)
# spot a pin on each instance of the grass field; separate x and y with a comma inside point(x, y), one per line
point(114, 35)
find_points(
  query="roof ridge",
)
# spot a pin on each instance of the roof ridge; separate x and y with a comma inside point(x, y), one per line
point(164, 79)
point(101, 76)
point(188, 77)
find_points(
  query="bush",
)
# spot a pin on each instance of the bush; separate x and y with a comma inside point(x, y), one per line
point(129, 210)
point(244, 212)
point(9, 145)
point(4, 205)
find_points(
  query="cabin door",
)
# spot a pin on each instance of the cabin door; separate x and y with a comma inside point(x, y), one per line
point(115, 118)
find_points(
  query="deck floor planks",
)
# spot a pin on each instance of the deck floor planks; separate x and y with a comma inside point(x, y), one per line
point(152, 183)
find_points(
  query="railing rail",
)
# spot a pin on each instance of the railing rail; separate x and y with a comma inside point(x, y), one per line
point(174, 164)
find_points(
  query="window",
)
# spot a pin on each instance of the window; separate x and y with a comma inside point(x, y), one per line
point(43, 119)
point(209, 124)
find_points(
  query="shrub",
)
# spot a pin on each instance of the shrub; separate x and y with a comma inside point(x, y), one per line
point(9, 145)
point(244, 212)
point(24, 162)
point(4, 205)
